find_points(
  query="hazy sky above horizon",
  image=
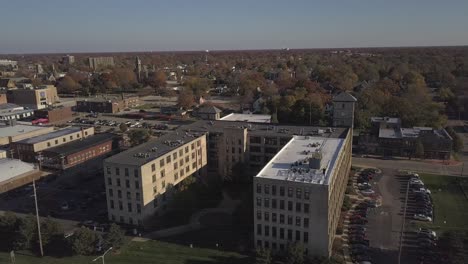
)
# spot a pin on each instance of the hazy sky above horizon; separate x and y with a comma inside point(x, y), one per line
point(30, 26)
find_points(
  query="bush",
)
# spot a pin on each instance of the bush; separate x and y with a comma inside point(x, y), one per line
point(115, 237)
point(84, 241)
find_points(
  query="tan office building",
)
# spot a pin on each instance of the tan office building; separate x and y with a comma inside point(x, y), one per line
point(140, 181)
point(298, 195)
point(28, 149)
point(38, 98)
point(9, 134)
point(100, 62)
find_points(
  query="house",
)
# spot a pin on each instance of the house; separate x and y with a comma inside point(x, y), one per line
point(209, 112)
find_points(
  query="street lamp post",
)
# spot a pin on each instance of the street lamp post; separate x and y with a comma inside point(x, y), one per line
point(102, 256)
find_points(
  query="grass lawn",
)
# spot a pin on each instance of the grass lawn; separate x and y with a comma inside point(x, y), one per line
point(151, 252)
point(450, 204)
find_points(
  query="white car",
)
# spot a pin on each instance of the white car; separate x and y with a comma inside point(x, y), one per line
point(422, 217)
point(421, 190)
point(427, 231)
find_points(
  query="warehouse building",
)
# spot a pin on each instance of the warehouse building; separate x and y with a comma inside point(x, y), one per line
point(11, 132)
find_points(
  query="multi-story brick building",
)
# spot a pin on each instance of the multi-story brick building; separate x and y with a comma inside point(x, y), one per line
point(140, 181)
point(106, 105)
point(28, 149)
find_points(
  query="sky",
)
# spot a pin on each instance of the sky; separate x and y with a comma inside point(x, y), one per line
point(67, 26)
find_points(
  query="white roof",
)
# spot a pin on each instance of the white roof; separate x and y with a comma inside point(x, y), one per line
point(291, 163)
point(254, 118)
point(11, 131)
point(11, 168)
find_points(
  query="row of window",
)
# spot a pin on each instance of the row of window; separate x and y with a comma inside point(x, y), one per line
point(64, 139)
point(304, 222)
point(300, 207)
point(127, 183)
point(129, 206)
point(89, 154)
point(129, 195)
point(282, 189)
point(282, 233)
point(174, 156)
point(130, 220)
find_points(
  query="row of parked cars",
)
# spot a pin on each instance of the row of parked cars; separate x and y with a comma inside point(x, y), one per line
point(363, 180)
point(103, 122)
point(427, 240)
point(359, 244)
point(421, 196)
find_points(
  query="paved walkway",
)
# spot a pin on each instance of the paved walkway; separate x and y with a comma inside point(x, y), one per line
point(227, 206)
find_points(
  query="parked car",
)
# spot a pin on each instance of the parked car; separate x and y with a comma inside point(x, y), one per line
point(427, 231)
point(422, 217)
point(367, 192)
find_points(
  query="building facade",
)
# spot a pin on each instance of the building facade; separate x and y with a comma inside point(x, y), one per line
point(54, 114)
point(39, 98)
point(29, 149)
point(298, 195)
point(100, 62)
point(343, 110)
point(140, 181)
point(11, 132)
point(106, 105)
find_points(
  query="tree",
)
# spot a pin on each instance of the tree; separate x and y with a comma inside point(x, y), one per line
point(84, 241)
point(9, 224)
point(186, 99)
point(419, 149)
point(262, 256)
point(158, 80)
point(125, 78)
point(115, 237)
point(295, 254)
point(50, 231)
point(67, 85)
point(27, 233)
point(139, 136)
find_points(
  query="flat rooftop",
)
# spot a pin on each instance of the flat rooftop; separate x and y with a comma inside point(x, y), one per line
point(11, 168)
point(248, 118)
point(51, 135)
point(292, 162)
point(153, 149)
point(11, 131)
point(80, 145)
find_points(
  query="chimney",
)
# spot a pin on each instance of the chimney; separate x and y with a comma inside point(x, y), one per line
point(315, 162)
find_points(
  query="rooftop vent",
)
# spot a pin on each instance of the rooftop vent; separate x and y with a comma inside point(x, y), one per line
point(315, 161)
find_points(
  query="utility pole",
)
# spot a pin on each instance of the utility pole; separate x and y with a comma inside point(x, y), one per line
point(37, 218)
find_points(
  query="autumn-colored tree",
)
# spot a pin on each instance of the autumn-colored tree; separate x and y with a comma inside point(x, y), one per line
point(67, 85)
point(124, 78)
point(158, 80)
point(186, 99)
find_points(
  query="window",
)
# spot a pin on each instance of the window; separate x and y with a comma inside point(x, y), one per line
point(259, 215)
point(298, 207)
point(290, 219)
point(120, 206)
point(298, 235)
point(176, 176)
point(56, 141)
point(126, 172)
point(64, 140)
point(174, 155)
point(192, 147)
point(181, 152)
point(118, 182)
point(267, 189)
point(194, 165)
point(186, 149)
point(266, 216)
point(259, 229)
point(137, 196)
point(155, 189)
point(273, 203)
point(281, 190)
point(267, 202)
point(112, 204)
point(163, 173)
point(109, 181)
point(139, 208)
point(259, 188)
point(306, 237)
point(281, 204)
point(129, 207)
point(273, 217)
point(281, 233)
point(298, 221)
point(163, 184)
point(137, 184)
point(111, 193)
point(259, 243)
point(48, 144)
point(127, 183)
point(108, 170)
point(198, 143)
point(161, 163)
point(273, 190)
point(187, 169)
point(290, 192)
point(299, 193)
point(306, 195)
point(135, 173)
point(122, 219)
point(154, 177)
point(289, 234)
point(273, 231)
point(168, 159)
point(306, 208)
point(281, 218)
point(119, 194)
point(259, 201)
point(306, 222)
point(117, 171)
point(129, 196)
point(267, 231)
point(176, 165)
point(290, 206)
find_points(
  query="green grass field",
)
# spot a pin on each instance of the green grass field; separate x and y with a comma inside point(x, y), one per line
point(450, 204)
point(150, 252)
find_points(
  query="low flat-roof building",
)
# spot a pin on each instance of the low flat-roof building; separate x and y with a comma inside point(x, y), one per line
point(11, 111)
point(9, 134)
point(113, 104)
point(28, 149)
point(254, 118)
point(78, 151)
point(298, 195)
point(16, 173)
point(54, 114)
